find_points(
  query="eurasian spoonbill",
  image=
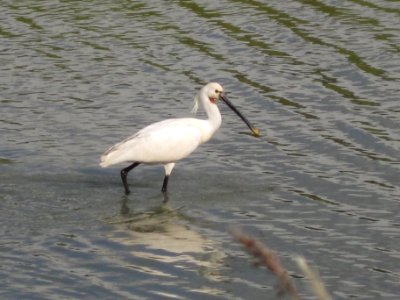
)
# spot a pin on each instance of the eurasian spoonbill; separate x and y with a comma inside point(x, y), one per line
point(168, 141)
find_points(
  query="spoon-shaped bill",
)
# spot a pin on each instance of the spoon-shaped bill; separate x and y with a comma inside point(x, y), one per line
point(255, 131)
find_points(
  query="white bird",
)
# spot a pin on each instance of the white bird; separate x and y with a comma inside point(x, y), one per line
point(168, 141)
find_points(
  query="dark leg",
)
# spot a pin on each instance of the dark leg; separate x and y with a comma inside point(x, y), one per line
point(124, 174)
point(165, 184)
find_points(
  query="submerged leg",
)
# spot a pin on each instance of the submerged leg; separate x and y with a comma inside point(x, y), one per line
point(165, 184)
point(168, 169)
point(124, 174)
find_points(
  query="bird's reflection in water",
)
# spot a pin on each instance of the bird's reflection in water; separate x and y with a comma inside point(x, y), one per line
point(168, 236)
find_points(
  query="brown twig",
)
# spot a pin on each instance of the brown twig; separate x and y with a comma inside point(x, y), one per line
point(269, 259)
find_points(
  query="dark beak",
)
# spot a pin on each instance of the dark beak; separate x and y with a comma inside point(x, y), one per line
point(255, 131)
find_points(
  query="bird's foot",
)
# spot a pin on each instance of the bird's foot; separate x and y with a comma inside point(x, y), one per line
point(166, 198)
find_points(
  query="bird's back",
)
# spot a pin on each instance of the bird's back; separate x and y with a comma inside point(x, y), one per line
point(162, 142)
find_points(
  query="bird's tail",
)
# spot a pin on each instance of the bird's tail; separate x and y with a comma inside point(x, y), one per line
point(107, 159)
point(111, 157)
point(103, 161)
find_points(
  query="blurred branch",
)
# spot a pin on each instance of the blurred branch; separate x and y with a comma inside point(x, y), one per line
point(269, 259)
point(315, 281)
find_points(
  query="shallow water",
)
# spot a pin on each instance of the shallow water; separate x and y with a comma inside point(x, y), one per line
point(319, 78)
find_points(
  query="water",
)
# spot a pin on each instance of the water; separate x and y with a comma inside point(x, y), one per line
point(319, 78)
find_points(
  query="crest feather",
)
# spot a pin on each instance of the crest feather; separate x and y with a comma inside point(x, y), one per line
point(195, 104)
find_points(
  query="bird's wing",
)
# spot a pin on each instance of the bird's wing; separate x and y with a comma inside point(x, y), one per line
point(161, 142)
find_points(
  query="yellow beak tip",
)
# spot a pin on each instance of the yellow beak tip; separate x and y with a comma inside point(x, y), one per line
point(255, 131)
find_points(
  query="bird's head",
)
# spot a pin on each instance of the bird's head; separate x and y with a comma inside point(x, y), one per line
point(214, 91)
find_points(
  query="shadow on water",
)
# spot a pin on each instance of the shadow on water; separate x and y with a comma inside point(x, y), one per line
point(164, 233)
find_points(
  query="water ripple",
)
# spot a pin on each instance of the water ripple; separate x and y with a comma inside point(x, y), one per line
point(319, 78)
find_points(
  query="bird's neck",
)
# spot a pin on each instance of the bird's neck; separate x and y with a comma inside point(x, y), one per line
point(214, 120)
point(214, 116)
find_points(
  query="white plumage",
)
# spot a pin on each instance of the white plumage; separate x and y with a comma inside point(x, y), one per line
point(168, 141)
point(162, 142)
